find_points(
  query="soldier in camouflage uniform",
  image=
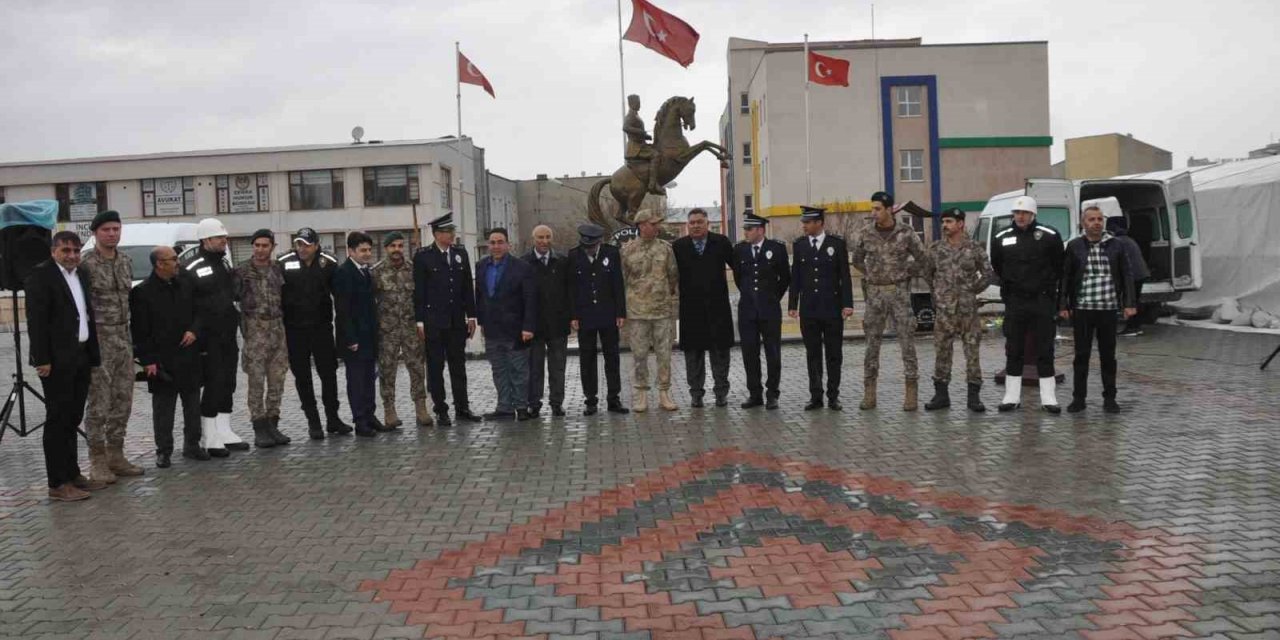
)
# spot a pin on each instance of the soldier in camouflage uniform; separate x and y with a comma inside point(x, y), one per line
point(653, 293)
point(111, 384)
point(398, 340)
point(258, 283)
point(882, 252)
point(957, 271)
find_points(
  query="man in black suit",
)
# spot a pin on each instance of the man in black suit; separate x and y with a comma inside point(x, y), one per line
point(507, 310)
point(357, 331)
point(761, 270)
point(599, 312)
point(445, 305)
point(706, 321)
point(822, 297)
point(64, 346)
point(165, 329)
point(550, 347)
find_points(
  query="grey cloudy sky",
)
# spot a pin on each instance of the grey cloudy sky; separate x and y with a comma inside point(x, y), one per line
point(115, 77)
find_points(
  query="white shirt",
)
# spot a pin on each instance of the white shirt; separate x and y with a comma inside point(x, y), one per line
point(755, 248)
point(77, 293)
point(544, 258)
point(820, 238)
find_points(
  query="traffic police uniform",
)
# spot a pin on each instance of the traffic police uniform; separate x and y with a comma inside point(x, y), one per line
point(598, 300)
point(444, 298)
point(763, 275)
point(308, 326)
point(821, 290)
point(215, 297)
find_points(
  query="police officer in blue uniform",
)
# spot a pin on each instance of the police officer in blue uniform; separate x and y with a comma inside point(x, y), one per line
point(762, 273)
point(822, 297)
point(444, 301)
point(599, 312)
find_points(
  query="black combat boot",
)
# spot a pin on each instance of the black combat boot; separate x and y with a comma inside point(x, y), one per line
point(315, 428)
point(262, 434)
point(941, 397)
point(335, 425)
point(274, 430)
point(975, 401)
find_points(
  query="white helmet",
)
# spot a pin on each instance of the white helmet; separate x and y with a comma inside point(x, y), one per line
point(210, 228)
point(1025, 203)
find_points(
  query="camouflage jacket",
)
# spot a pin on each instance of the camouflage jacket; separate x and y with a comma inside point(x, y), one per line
point(393, 290)
point(652, 279)
point(259, 289)
point(110, 283)
point(886, 260)
point(957, 275)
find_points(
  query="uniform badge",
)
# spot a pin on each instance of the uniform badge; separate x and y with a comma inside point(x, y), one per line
point(204, 271)
point(457, 258)
point(1039, 234)
point(769, 254)
point(605, 262)
point(831, 251)
point(288, 266)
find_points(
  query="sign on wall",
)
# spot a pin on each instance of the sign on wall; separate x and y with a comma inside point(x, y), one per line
point(243, 193)
point(83, 197)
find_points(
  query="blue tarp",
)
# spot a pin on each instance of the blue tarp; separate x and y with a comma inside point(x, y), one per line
point(41, 213)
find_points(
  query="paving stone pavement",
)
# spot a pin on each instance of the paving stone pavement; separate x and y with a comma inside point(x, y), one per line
point(1163, 521)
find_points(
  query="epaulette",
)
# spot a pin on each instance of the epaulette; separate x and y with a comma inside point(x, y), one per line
point(1049, 229)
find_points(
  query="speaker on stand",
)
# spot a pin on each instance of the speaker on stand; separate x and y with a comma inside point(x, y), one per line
point(22, 247)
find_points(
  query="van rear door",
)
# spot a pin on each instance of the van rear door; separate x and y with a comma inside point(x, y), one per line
point(1185, 234)
point(1056, 200)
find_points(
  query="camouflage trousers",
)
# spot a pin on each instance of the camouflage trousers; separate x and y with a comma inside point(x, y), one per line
point(395, 347)
point(110, 387)
point(885, 303)
point(648, 336)
point(947, 326)
point(265, 361)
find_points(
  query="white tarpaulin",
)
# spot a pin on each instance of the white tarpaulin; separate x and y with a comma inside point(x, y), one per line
point(1238, 206)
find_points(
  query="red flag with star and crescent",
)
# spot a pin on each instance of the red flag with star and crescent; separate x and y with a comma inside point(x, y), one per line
point(662, 32)
point(833, 72)
point(469, 74)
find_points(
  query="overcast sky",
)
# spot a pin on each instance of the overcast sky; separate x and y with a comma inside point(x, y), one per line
point(115, 77)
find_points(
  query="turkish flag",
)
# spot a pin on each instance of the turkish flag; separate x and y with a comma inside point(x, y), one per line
point(830, 71)
point(662, 32)
point(469, 74)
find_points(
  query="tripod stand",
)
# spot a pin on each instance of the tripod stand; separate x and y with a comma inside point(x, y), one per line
point(17, 396)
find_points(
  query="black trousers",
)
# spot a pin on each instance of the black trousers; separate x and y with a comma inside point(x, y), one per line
point(1033, 317)
point(65, 392)
point(589, 341)
point(1088, 324)
point(823, 339)
point(361, 377)
point(547, 357)
point(219, 367)
point(1135, 323)
point(306, 344)
point(163, 404)
point(754, 334)
point(695, 368)
point(447, 346)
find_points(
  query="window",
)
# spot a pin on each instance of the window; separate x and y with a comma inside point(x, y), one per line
point(1057, 218)
point(744, 106)
point(80, 201)
point(394, 185)
point(911, 165)
point(908, 102)
point(243, 193)
point(746, 202)
point(1186, 222)
point(980, 232)
point(316, 190)
point(165, 197)
point(240, 249)
point(446, 188)
point(746, 153)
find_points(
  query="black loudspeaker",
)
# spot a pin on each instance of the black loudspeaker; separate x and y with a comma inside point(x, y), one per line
point(22, 247)
point(922, 308)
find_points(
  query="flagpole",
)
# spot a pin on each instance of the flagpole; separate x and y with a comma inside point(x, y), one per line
point(808, 180)
point(622, 76)
point(457, 143)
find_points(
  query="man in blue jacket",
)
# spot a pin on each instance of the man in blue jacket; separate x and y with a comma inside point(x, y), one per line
point(357, 331)
point(507, 311)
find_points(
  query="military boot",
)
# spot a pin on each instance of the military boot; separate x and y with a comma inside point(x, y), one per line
point(389, 414)
point(334, 424)
point(315, 428)
point(262, 434)
point(909, 398)
point(941, 397)
point(975, 401)
point(274, 429)
point(868, 394)
point(640, 400)
point(420, 410)
point(98, 469)
point(118, 464)
point(665, 401)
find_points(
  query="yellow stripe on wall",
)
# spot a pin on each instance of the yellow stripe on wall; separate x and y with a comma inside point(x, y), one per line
point(841, 206)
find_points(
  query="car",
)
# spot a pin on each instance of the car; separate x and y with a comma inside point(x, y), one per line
point(139, 239)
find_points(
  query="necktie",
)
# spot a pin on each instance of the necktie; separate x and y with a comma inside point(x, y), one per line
point(700, 246)
point(755, 252)
point(815, 244)
point(544, 260)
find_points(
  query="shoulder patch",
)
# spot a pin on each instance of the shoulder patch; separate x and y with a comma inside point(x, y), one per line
point(288, 256)
point(1005, 232)
point(328, 257)
point(194, 263)
point(1048, 229)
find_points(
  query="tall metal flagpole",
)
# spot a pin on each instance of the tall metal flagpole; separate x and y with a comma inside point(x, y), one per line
point(457, 144)
point(622, 75)
point(808, 181)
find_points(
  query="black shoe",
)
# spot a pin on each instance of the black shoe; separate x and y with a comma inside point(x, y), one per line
point(1008, 406)
point(195, 454)
point(366, 432)
point(752, 403)
point(335, 425)
point(377, 425)
point(1110, 406)
point(262, 434)
point(771, 404)
point(238, 446)
point(218, 453)
point(1130, 333)
point(696, 403)
point(722, 401)
point(941, 397)
point(315, 428)
point(975, 398)
point(616, 407)
point(442, 419)
point(1052, 409)
point(591, 410)
point(1076, 406)
point(274, 429)
point(834, 405)
point(162, 461)
point(813, 404)
point(466, 416)
point(557, 411)
point(499, 415)
point(523, 415)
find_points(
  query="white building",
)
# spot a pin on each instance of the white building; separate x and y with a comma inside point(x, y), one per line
point(333, 188)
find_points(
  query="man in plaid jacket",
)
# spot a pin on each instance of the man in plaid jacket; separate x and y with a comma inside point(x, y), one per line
point(1097, 282)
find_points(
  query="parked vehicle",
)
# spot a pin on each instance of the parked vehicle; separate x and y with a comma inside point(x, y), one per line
point(138, 239)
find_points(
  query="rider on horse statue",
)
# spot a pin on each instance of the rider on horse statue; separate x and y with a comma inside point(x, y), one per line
point(639, 152)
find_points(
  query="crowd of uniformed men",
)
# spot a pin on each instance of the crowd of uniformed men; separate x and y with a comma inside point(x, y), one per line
point(306, 309)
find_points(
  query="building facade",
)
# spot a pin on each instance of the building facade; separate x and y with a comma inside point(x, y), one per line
point(1112, 154)
point(561, 203)
point(334, 189)
point(942, 125)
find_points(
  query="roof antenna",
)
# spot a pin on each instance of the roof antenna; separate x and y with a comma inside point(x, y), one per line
point(356, 134)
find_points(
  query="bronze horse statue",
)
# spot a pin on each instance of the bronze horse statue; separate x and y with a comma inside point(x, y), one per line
point(628, 184)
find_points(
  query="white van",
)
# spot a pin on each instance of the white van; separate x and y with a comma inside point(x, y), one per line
point(139, 239)
point(1161, 217)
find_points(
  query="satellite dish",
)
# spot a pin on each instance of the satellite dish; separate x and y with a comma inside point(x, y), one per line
point(357, 133)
